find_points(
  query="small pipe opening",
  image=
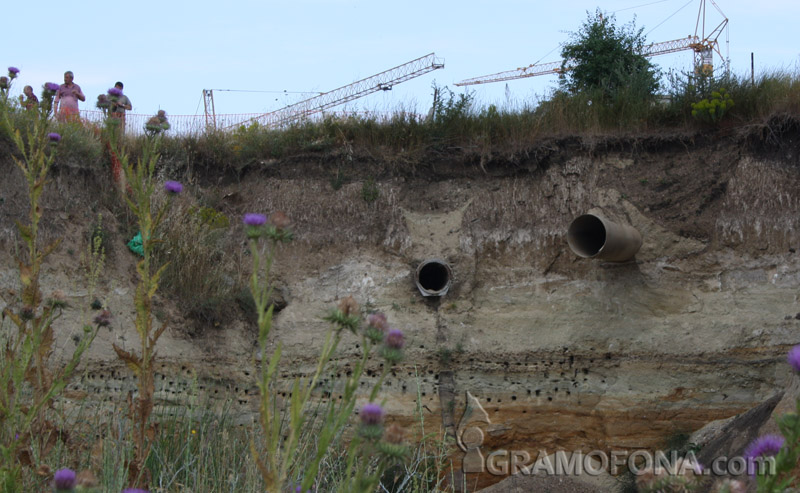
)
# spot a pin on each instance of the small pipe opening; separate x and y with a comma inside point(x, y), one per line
point(433, 278)
point(586, 235)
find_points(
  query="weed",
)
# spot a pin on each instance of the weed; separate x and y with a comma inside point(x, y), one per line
point(713, 110)
point(370, 191)
point(141, 180)
point(276, 461)
point(445, 355)
point(30, 382)
point(193, 242)
point(338, 180)
point(99, 234)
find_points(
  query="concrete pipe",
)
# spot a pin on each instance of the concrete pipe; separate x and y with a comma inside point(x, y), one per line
point(434, 277)
point(593, 236)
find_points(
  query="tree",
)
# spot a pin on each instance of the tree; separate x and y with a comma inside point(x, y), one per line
point(603, 56)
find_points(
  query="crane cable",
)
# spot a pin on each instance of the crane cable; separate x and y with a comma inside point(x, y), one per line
point(272, 92)
point(622, 10)
point(670, 17)
point(637, 6)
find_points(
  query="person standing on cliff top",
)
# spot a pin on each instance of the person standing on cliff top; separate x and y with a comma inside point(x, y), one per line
point(29, 101)
point(119, 104)
point(67, 97)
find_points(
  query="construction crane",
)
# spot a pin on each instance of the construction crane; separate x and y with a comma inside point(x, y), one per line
point(383, 81)
point(208, 105)
point(703, 46)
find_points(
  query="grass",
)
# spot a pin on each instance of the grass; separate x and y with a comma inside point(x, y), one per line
point(459, 124)
point(205, 446)
point(202, 277)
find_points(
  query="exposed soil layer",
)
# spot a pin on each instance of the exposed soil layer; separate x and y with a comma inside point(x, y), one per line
point(561, 352)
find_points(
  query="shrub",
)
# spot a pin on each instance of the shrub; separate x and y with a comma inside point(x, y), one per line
point(194, 244)
point(714, 109)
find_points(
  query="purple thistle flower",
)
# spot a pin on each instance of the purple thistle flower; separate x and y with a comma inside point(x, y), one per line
point(378, 320)
point(103, 319)
point(395, 339)
point(64, 480)
point(51, 86)
point(252, 219)
point(54, 137)
point(12, 72)
point(371, 414)
point(115, 92)
point(794, 358)
point(173, 187)
point(765, 446)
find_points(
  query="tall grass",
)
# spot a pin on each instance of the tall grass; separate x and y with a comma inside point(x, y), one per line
point(201, 276)
point(457, 123)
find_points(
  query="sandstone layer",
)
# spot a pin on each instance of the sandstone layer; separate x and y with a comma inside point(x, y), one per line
point(562, 353)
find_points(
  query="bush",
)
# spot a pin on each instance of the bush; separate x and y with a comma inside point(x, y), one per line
point(194, 242)
point(714, 109)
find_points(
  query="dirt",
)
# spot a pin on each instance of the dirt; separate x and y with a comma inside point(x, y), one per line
point(564, 353)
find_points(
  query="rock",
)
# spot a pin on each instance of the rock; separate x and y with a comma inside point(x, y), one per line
point(734, 436)
point(542, 484)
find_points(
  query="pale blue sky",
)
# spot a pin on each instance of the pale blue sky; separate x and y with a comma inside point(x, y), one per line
point(167, 52)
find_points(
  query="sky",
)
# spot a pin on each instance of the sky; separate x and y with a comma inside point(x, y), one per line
point(167, 52)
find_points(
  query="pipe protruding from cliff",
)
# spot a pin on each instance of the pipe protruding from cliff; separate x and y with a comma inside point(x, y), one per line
point(434, 277)
point(594, 236)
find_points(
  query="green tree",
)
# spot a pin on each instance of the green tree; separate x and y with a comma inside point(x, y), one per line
point(601, 55)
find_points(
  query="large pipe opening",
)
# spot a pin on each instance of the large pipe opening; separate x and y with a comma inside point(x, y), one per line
point(593, 236)
point(434, 277)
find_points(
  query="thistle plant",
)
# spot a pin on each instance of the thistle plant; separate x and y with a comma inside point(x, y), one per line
point(6, 82)
point(283, 463)
point(142, 187)
point(30, 383)
point(157, 124)
point(773, 459)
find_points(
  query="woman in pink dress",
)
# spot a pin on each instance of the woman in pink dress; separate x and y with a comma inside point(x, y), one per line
point(67, 97)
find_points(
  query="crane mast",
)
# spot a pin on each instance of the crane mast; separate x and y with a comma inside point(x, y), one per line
point(208, 105)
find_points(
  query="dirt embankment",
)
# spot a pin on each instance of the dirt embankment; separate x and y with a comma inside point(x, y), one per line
point(563, 353)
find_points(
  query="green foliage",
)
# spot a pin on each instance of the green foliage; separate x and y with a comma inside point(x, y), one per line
point(370, 191)
point(451, 114)
point(601, 55)
point(457, 124)
point(194, 245)
point(84, 150)
point(714, 109)
point(31, 383)
point(338, 180)
point(142, 183)
point(99, 235)
point(784, 473)
point(367, 455)
point(157, 124)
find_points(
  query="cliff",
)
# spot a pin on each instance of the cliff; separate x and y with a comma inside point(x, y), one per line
point(561, 352)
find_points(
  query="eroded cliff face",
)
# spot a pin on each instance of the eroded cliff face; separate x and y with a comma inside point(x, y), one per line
point(561, 352)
